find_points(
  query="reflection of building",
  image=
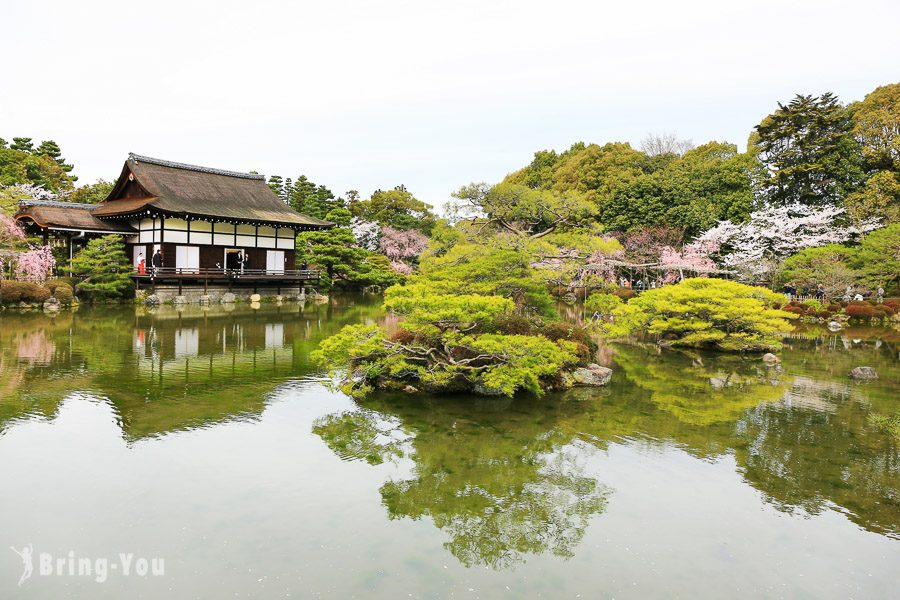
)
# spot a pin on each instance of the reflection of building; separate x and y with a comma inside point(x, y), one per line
point(215, 230)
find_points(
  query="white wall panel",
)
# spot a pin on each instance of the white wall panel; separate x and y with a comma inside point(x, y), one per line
point(286, 244)
point(221, 239)
point(198, 237)
point(174, 236)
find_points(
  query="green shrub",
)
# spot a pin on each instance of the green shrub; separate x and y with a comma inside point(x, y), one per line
point(602, 303)
point(34, 292)
point(52, 284)
point(703, 312)
point(64, 293)
point(562, 330)
point(813, 305)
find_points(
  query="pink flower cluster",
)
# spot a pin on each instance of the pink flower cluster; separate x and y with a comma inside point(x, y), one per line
point(10, 230)
point(35, 265)
point(397, 244)
point(693, 256)
point(401, 267)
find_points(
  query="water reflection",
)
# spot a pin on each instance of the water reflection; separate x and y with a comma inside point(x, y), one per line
point(502, 481)
point(164, 370)
point(505, 480)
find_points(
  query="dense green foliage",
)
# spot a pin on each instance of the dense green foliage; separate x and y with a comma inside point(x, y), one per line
point(396, 208)
point(93, 193)
point(828, 266)
point(21, 162)
point(449, 343)
point(471, 268)
point(305, 196)
point(809, 152)
point(344, 262)
point(627, 188)
point(877, 259)
point(706, 313)
point(105, 269)
point(602, 304)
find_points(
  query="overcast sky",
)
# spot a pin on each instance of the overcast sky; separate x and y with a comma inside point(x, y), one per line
point(371, 94)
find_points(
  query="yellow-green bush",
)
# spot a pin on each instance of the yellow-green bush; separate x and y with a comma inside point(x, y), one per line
point(702, 312)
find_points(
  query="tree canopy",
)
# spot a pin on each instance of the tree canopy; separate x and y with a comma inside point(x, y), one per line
point(706, 313)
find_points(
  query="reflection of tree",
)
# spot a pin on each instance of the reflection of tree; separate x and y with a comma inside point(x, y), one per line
point(362, 435)
point(700, 389)
point(814, 460)
point(500, 483)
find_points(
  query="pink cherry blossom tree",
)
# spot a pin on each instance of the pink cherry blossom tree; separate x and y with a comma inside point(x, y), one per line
point(35, 264)
point(398, 244)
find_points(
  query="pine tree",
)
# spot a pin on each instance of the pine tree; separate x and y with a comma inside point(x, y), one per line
point(287, 191)
point(276, 183)
point(809, 151)
point(105, 269)
point(23, 144)
point(52, 149)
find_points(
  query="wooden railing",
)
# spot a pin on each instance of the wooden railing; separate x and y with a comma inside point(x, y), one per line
point(219, 273)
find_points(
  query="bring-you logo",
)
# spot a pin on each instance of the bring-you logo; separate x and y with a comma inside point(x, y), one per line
point(124, 564)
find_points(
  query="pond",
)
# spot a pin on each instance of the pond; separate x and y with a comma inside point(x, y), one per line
point(206, 439)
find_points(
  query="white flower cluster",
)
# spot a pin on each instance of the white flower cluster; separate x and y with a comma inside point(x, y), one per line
point(756, 247)
point(367, 233)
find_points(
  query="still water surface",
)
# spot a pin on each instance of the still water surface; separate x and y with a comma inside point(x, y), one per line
point(207, 439)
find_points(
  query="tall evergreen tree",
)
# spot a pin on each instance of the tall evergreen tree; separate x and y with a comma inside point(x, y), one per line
point(23, 144)
point(276, 183)
point(287, 191)
point(52, 149)
point(810, 153)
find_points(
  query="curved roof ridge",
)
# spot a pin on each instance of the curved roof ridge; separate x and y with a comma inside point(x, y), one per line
point(58, 204)
point(138, 158)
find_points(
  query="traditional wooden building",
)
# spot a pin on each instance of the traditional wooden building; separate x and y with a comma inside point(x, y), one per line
point(212, 227)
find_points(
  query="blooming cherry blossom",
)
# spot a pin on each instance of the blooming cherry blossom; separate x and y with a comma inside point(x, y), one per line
point(367, 233)
point(35, 265)
point(757, 247)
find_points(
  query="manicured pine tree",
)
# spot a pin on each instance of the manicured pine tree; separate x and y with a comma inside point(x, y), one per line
point(276, 183)
point(23, 144)
point(105, 268)
point(52, 149)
